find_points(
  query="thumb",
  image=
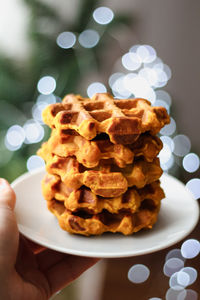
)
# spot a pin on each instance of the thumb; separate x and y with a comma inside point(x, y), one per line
point(9, 235)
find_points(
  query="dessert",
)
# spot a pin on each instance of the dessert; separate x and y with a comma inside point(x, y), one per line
point(102, 166)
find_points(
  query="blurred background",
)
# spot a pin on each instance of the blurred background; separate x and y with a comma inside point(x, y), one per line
point(129, 48)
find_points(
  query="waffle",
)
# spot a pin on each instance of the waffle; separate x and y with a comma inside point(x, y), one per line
point(123, 120)
point(106, 180)
point(89, 153)
point(83, 199)
point(87, 224)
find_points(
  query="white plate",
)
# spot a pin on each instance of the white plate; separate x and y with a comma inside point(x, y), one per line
point(178, 216)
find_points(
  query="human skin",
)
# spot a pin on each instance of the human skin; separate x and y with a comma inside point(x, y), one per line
point(28, 271)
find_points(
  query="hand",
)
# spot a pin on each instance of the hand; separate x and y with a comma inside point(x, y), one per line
point(26, 272)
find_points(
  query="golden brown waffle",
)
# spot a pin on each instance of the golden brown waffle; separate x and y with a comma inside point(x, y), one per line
point(123, 120)
point(89, 153)
point(87, 224)
point(74, 175)
point(84, 199)
point(106, 180)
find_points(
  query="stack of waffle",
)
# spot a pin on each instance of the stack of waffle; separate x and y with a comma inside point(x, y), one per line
point(102, 166)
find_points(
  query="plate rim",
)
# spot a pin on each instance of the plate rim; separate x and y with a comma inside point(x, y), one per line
point(108, 254)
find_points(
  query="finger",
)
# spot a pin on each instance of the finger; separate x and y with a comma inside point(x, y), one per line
point(7, 195)
point(49, 258)
point(68, 269)
point(8, 226)
point(35, 247)
point(27, 267)
point(25, 257)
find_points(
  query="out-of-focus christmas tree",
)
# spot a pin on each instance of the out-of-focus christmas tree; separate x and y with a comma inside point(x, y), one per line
point(62, 55)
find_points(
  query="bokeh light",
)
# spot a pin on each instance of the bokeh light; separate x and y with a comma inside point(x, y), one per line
point(162, 103)
point(48, 99)
point(183, 278)
point(114, 77)
point(170, 128)
point(193, 185)
point(191, 162)
point(174, 253)
point(46, 85)
point(165, 154)
point(131, 61)
point(161, 76)
point(156, 64)
point(139, 87)
point(168, 141)
point(190, 248)
point(172, 266)
point(172, 294)
point(150, 75)
point(191, 272)
point(34, 132)
point(182, 145)
point(89, 38)
point(41, 102)
point(146, 53)
point(167, 71)
point(155, 298)
point(103, 15)
point(163, 95)
point(37, 110)
point(66, 40)
point(168, 164)
point(174, 284)
point(14, 138)
point(96, 87)
point(119, 89)
point(191, 295)
point(138, 273)
point(34, 162)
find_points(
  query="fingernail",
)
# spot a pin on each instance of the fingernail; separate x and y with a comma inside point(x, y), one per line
point(3, 184)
